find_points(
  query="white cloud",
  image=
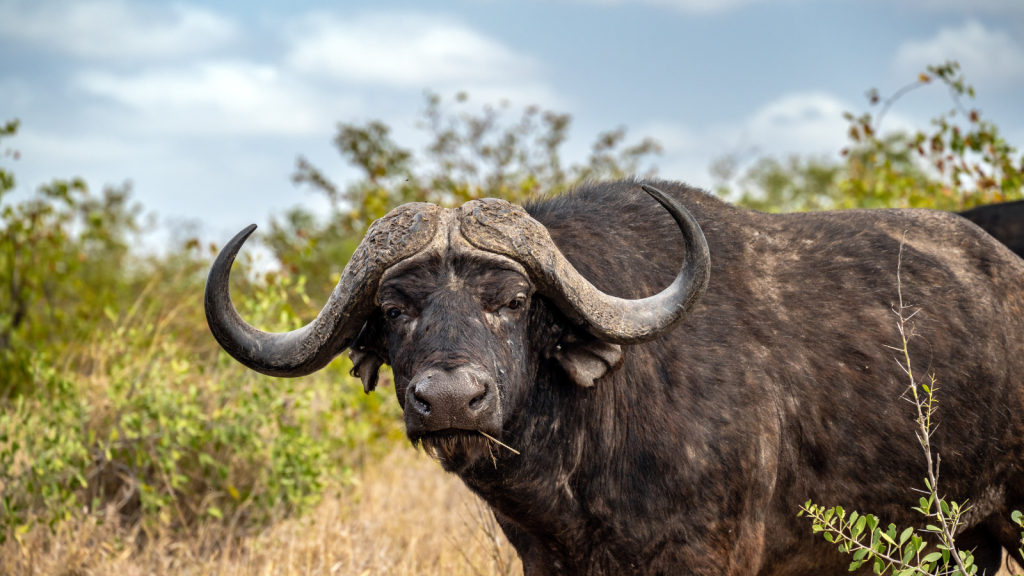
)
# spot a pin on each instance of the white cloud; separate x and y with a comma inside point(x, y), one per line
point(304, 91)
point(802, 123)
point(717, 6)
point(403, 50)
point(985, 55)
point(114, 29)
point(219, 98)
point(698, 6)
point(806, 123)
point(799, 123)
point(972, 7)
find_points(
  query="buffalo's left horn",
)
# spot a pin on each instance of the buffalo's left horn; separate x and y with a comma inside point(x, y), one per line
point(503, 228)
point(400, 234)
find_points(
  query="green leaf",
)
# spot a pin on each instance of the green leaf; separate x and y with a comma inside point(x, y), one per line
point(905, 535)
point(858, 527)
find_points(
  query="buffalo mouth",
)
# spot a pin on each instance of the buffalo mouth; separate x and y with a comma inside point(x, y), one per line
point(455, 447)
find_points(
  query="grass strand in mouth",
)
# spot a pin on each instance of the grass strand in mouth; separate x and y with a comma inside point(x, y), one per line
point(498, 442)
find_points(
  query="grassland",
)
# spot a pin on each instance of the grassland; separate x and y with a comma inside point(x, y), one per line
point(400, 516)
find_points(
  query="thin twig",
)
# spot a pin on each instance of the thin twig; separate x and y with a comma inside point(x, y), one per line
point(498, 442)
point(924, 421)
point(892, 100)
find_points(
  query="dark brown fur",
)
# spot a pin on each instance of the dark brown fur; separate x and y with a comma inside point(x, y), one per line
point(695, 455)
point(1004, 221)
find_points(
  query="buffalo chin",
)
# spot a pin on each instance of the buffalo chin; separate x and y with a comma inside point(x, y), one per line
point(456, 449)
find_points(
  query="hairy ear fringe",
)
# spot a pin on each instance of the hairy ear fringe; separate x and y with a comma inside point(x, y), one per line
point(369, 352)
point(589, 360)
point(365, 365)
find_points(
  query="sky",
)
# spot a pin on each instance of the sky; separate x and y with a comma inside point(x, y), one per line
point(205, 106)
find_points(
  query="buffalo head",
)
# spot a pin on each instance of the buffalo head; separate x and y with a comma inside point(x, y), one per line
point(455, 300)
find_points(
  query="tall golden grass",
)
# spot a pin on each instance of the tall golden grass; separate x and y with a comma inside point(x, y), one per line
point(400, 516)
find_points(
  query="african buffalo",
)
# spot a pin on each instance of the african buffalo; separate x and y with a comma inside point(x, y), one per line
point(1004, 221)
point(679, 433)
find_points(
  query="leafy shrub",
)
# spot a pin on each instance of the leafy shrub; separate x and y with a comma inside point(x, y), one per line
point(43, 452)
point(963, 162)
point(115, 394)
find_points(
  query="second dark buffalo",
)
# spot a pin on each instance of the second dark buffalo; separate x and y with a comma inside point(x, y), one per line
point(1005, 222)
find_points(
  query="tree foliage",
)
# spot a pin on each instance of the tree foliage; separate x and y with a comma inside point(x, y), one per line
point(961, 162)
point(469, 155)
point(114, 394)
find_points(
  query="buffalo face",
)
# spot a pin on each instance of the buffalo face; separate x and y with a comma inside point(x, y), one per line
point(454, 329)
point(446, 296)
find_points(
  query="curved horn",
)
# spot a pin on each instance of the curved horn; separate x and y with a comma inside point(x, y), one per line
point(503, 228)
point(400, 234)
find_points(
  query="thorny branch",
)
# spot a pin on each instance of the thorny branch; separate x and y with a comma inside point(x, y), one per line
point(925, 409)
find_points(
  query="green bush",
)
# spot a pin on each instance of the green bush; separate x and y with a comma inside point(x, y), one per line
point(115, 394)
point(962, 162)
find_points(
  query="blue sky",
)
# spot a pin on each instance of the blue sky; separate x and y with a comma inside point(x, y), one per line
point(204, 106)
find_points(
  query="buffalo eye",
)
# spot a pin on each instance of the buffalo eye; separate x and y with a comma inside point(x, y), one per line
point(516, 303)
point(393, 313)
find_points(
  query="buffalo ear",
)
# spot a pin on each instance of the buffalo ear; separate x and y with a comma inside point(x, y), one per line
point(587, 360)
point(368, 353)
point(365, 365)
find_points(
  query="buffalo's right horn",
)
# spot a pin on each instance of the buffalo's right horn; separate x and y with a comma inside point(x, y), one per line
point(400, 234)
point(503, 228)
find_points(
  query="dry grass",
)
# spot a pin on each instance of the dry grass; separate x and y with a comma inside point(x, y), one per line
point(403, 516)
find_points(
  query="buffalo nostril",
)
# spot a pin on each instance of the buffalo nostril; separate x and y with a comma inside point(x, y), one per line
point(422, 405)
point(477, 402)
